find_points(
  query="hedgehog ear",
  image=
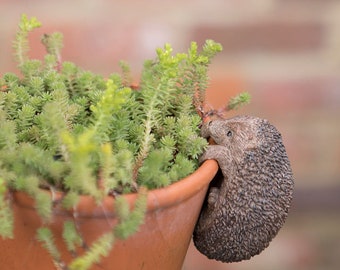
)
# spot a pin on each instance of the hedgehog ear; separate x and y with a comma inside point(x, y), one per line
point(251, 142)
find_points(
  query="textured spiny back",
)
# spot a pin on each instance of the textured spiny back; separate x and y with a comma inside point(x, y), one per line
point(253, 198)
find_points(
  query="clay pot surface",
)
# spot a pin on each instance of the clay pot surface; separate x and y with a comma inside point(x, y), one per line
point(161, 242)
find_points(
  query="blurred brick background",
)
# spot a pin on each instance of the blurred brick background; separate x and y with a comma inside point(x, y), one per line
point(286, 53)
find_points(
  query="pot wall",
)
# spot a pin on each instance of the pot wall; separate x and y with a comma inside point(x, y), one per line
point(161, 243)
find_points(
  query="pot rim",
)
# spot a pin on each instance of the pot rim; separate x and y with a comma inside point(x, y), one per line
point(160, 198)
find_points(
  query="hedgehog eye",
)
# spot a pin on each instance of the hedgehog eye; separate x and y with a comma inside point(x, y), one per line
point(229, 133)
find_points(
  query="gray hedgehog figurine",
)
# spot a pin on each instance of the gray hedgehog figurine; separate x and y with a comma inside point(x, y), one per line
point(248, 203)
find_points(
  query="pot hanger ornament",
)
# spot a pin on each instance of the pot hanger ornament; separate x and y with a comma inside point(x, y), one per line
point(248, 201)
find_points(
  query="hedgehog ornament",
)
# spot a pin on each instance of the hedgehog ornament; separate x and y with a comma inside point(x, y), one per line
point(248, 200)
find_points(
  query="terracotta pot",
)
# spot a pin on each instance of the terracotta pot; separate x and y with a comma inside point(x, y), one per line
point(161, 243)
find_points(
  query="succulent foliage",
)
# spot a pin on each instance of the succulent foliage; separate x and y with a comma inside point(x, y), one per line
point(63, 128)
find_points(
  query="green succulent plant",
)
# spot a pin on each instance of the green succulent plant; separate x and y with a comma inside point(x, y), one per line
point(67, 129)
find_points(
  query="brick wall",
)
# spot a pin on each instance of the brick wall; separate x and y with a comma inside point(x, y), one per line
point(286, 53)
